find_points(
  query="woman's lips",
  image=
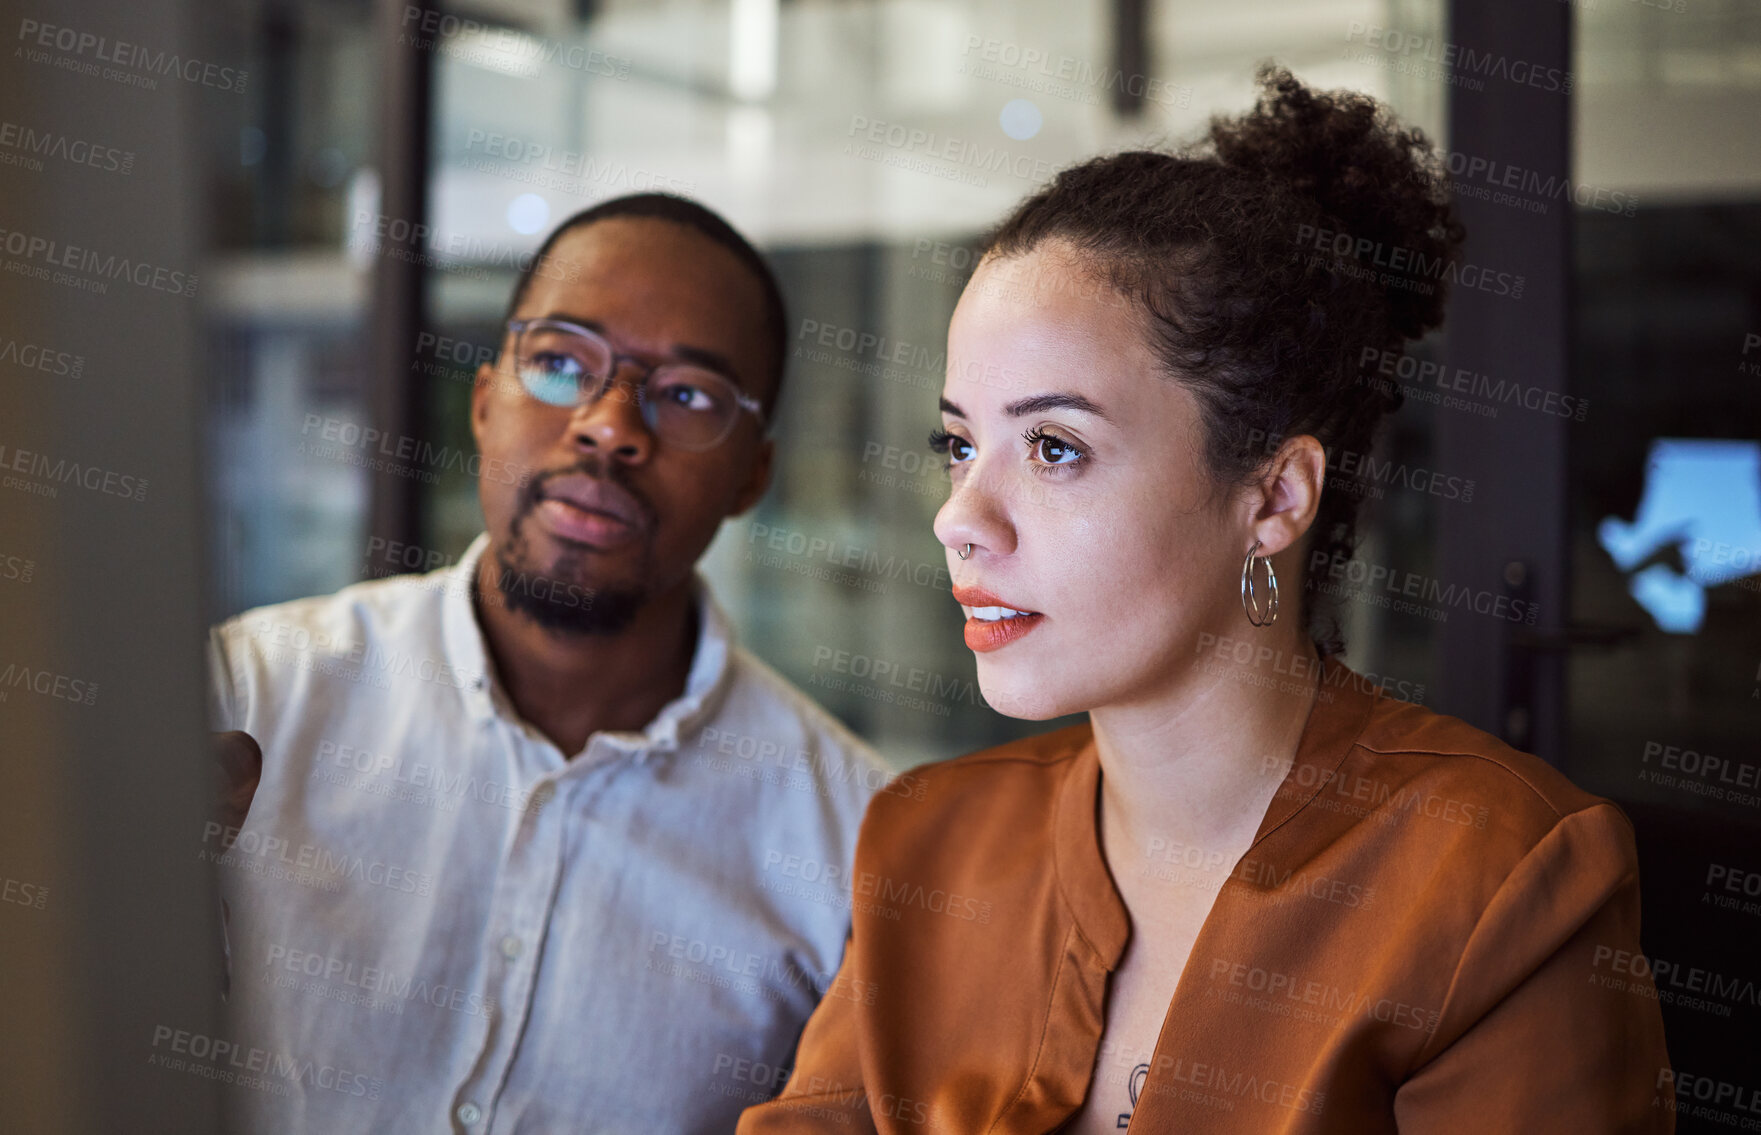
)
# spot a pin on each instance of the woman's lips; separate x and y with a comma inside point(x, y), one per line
point(578, 525)
point(993, 633)
point(984, 635)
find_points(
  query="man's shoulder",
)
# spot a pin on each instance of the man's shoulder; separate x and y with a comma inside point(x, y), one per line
point(394, 605)
point(366, 636)
point(758, 694)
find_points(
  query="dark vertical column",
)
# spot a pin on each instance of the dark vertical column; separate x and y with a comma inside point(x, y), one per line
point(109, 929)
point(406, 60)
point(1510, 105)
point(277, 102)
point(1130, 54)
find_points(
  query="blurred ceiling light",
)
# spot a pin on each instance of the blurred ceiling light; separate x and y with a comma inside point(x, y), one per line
point(504, 50)
point(752, 48)
point(528, 213)
point(1020, 119)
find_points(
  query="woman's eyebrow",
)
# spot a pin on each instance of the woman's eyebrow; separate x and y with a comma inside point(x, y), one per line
point(1039, 403)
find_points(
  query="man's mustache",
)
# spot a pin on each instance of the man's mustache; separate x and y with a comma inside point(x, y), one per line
point(532, 493)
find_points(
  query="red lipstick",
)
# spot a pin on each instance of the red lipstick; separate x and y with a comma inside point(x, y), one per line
point(985, 635)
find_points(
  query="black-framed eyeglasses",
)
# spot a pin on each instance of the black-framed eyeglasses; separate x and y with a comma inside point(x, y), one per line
point(684, 405)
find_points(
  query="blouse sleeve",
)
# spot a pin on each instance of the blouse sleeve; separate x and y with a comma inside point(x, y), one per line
point(1546, 1027)
point(825, 1091)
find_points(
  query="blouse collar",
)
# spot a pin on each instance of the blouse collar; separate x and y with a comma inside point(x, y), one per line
point(1338, 715)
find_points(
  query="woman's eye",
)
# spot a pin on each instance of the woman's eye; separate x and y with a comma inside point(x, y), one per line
point(956, 448)
point(1050, 451)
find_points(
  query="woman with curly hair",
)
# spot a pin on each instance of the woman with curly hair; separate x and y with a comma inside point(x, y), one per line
point(1252, 892)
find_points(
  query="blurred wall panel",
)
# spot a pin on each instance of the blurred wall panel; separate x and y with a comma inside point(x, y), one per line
point(108, 941)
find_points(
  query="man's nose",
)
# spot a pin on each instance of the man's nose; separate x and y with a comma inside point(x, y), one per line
point(613, 424)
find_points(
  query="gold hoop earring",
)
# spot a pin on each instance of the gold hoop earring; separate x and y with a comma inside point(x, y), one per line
point(964, 554)
point(1250, 600)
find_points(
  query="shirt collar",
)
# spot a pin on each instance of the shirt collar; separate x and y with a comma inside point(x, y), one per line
point(462, 637)
point(468, 656)
point(1341, 709)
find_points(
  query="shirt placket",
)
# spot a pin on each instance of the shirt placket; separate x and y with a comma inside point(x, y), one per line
point(525, 894)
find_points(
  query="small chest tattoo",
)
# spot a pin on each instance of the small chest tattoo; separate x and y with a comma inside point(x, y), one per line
point(1133, 1086)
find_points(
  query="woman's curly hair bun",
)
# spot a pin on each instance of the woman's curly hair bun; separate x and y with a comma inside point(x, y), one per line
point(1284, 261)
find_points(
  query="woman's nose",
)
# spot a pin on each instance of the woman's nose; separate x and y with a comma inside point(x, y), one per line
point(975, 514)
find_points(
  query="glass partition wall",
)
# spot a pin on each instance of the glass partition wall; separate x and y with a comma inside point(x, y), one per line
point(1665, 704)
point(862, 146)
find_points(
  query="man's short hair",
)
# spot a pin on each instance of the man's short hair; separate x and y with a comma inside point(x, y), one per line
point(683, 211)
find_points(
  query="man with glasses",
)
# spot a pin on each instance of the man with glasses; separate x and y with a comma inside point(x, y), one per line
point(535, 845)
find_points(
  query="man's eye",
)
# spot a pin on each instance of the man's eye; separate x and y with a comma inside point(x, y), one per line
point(554, 385)
point(688, 397)
point(557, 364)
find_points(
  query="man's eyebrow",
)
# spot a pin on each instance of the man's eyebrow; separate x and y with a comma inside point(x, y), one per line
point(1039, 403)
point(704, 357)
point(581, 320)
point(684, 352)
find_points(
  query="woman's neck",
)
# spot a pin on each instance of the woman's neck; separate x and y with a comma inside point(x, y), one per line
point(1196, 763)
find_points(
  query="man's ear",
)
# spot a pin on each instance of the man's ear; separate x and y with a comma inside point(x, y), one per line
point(758, 481)
point(480, 390)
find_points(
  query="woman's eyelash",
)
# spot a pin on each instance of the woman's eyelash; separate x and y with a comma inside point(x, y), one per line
point(1035, 436)
point(943, 442)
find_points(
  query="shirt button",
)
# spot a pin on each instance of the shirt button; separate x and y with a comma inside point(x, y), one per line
point(510, 947)
point(469, 1113)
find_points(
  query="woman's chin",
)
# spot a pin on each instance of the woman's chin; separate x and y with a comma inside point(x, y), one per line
point(1024, 703)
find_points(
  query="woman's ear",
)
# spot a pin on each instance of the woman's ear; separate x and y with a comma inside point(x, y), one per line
point(1289, 494)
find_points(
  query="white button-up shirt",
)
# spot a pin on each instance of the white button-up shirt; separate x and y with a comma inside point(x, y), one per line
point(437, 922)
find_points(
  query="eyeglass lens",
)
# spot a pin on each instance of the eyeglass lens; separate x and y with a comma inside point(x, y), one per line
point(684, 405)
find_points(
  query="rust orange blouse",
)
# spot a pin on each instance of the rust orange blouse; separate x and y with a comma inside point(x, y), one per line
point(1423, 937)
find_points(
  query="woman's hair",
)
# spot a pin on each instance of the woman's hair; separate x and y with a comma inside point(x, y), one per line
point(1284, 263)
